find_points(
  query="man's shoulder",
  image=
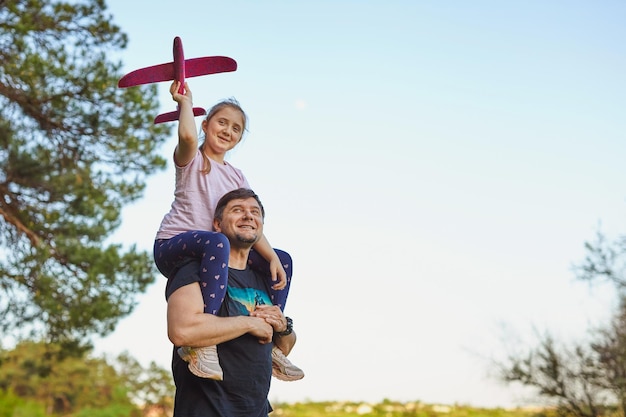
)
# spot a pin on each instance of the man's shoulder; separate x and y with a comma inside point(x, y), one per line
point(185, 273)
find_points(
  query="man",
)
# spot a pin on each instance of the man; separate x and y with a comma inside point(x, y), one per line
point(247, 327)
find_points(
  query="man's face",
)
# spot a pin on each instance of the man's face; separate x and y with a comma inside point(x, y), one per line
point(242, 222)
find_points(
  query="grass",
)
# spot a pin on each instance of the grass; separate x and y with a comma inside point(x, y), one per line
point(395, 409)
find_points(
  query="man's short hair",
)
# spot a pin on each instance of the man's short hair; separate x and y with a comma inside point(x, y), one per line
point(238, 194)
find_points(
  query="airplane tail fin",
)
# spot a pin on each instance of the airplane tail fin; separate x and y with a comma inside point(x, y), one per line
point(173, 115)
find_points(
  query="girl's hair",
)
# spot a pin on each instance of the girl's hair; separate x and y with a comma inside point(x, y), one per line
point(229, 102)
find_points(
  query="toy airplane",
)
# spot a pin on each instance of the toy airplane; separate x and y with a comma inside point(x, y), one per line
point(178, 70)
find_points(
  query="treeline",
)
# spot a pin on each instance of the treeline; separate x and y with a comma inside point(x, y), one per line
point(37, 381)
point(41, 380)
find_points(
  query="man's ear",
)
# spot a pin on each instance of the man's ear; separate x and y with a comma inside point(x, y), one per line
point(216, 225)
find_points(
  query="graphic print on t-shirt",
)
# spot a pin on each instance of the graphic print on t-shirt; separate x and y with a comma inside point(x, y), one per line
point(245, 300)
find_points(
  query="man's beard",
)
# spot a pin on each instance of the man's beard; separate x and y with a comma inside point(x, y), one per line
point(245, 241)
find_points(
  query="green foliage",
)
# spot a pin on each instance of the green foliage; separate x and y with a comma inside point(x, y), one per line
point(115, 410)
point(33, 378)
point(13, 406)
point(32, 371)
point(74, 149)
point(151, 387)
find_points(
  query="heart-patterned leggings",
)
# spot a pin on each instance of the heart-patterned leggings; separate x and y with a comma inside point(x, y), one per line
point(212, 249)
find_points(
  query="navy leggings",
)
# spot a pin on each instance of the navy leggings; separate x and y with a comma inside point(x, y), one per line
point(213, 249)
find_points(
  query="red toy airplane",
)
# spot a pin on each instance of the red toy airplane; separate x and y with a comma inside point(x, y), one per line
point(178, 70)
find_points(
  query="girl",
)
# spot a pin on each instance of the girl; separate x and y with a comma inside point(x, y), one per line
point(202, 178)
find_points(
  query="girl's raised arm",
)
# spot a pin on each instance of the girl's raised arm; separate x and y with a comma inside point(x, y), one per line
point(187, 135)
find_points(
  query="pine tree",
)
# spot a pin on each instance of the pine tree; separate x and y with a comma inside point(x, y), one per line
point(74, 149)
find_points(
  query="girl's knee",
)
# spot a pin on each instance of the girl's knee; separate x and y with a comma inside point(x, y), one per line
point(220, 241)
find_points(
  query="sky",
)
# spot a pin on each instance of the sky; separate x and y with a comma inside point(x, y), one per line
point(433, 167)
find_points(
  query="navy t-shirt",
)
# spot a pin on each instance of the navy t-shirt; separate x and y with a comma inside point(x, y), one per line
point(247, 364)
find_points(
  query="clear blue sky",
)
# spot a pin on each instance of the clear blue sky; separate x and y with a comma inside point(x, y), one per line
point(434, 168)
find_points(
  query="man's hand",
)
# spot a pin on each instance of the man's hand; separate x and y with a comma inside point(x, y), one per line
point(272, 316)
point(261, 329)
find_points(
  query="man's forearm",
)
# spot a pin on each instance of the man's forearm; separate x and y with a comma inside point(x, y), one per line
point(285, 343)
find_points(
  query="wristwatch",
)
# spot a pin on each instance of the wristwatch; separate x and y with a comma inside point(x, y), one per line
point(289, 328)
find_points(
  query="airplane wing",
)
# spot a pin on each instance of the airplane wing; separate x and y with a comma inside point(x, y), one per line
point(153, 74)
point(173, 115)
point(165, 72)
point(209, 65)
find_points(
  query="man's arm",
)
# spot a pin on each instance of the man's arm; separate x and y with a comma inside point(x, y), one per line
point(285, 343)
point(188, 325)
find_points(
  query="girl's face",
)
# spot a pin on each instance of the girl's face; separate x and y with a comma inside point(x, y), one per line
point(223, 131)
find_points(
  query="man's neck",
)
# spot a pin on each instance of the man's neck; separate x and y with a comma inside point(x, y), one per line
point(238, 258)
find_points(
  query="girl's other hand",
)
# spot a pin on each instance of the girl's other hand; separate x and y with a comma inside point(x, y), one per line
point(278, 274)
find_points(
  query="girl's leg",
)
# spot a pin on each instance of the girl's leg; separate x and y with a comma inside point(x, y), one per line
point(212, 249)
point(282, 368)
point(258, 263)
